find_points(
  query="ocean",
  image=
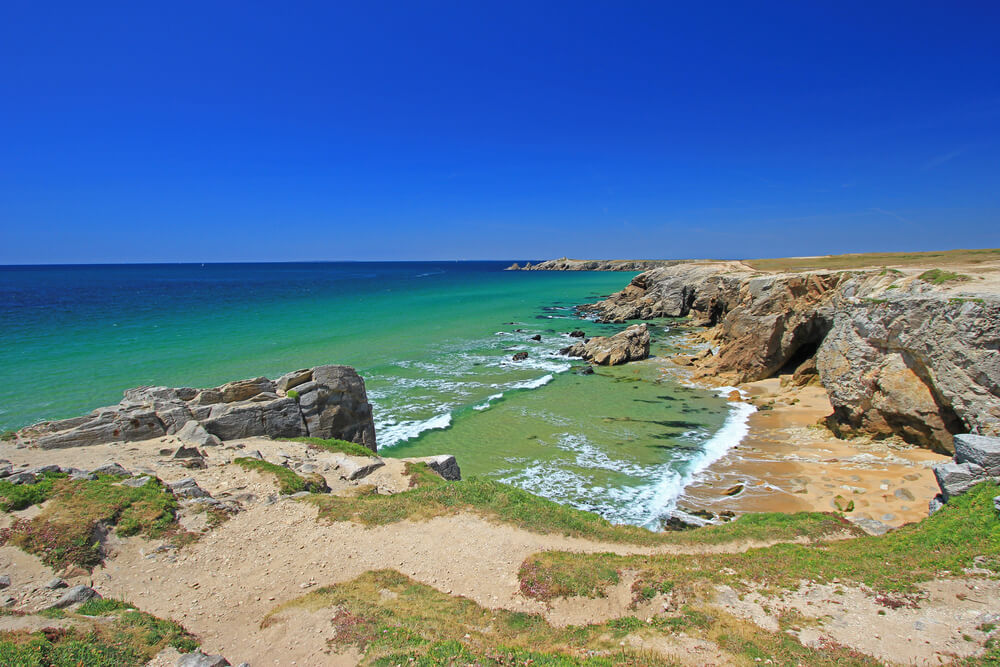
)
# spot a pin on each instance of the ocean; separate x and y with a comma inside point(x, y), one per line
point(433, 341)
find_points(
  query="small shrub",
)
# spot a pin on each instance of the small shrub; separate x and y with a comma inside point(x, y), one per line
point(291, 393)
point(103, 606)
point(939, 277)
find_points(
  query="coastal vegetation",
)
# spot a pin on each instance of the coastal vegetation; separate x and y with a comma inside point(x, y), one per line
point(394, 620)
point(101, 633)
point(940, 276)
point(68, 530)
point(964, 533)
point(334, 445)
point(431, 496)
point(289, 481)
point(876, 259)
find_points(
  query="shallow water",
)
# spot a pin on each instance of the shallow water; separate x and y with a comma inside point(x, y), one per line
point(433, 341)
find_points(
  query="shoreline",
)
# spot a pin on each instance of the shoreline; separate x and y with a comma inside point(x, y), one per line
point(789, 462)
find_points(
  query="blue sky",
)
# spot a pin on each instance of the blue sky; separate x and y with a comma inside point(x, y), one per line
point(244, 131)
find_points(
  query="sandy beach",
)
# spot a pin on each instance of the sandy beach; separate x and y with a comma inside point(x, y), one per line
point(790, 462)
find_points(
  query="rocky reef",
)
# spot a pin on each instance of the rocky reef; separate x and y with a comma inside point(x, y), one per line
point(897, 353)
point(321, 402)
point(629, 345)
point(566, 264)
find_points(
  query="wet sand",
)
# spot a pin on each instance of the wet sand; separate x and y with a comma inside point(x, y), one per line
point(789, 462)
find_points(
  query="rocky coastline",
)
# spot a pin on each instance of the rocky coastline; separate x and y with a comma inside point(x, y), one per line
point(566, 264)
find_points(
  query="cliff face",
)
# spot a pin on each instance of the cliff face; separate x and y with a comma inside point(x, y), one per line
point(323, 402)
point(896, 354)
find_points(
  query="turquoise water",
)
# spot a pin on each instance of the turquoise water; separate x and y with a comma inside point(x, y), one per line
point(432, 340)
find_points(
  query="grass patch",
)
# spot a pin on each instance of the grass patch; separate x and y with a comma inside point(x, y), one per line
point(102, 606)
point(132, 638)
point(20, 496)
point(8, 436)
point(394, 620)
point(433, 497)
point(291, 393)
point(875, 260)
point(67, 531)
point(896, 562)
point(333, 445)
point(289, 481)
point(939, 277)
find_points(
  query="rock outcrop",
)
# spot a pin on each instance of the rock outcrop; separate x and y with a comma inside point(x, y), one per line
point(566, 264)
point(897, 355)
point(322, 402)
point(977, 459)
point(629, 345)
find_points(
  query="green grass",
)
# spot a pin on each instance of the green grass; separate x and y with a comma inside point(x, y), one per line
point(432, 497)
point(291, 393)
point(131, 638)
point(66, 531)
point(102, 606)
point(20, 496)
point(289, 481)
point(939, 277)
point(894, 563)
point(394, 620)
point(876, 260)
point(333, 445)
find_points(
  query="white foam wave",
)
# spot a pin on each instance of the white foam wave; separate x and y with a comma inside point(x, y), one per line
point(489, 400)
point(533, 384)
point(669, 488)
point(392, 433)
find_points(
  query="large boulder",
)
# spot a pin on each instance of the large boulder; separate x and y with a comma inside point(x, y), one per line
point(629, 345)
point(278, 418)
point(983, 451)
point(334, 404)
point(195, 434)
point(957, 478)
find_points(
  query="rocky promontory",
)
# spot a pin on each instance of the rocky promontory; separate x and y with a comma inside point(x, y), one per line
point(900, 352)
point(566, 264)
point(320, 402)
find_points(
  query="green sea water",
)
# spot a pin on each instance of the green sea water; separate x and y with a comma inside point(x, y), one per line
point(433, 341)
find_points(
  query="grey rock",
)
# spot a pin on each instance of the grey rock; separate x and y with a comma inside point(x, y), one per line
point(4, 581)
point(632, 344)
point(187, 488)
point(137, 482)
point(6, 469)
point(870, 526)
point(44, 469)
point(293, 379)
point(936, 503)
point(194, 434)
point(83, 476)
point(335, 404)
point(356, 467)
point(199, 659)
point(183, 452)
point(75, 595)
point(982, 450)
point(107, 425)
point(996, 503)
point(111, 469)
point(22, 478)
point(957, 478)
point(56, 583)
point(242, 390)
point(444, 465)
point(279, 418)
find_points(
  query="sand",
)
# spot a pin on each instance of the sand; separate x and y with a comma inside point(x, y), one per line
point(789, 462)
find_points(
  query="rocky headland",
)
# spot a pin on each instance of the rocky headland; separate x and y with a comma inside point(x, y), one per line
point(566, 264)
point(255, 521)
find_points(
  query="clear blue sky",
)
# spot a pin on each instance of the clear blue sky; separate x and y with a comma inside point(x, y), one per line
point(208, 131)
